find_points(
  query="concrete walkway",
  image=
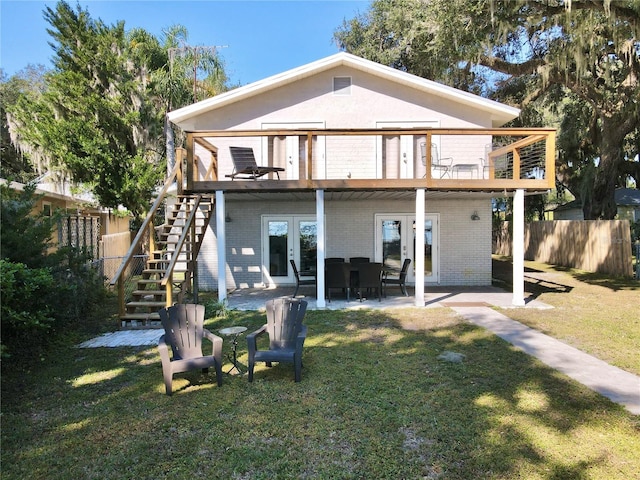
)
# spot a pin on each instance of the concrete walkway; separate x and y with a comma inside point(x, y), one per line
point(474, 305)
point(612, 382)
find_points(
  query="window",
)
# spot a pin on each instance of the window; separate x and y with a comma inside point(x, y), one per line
point(342, 85)
point(46, 209)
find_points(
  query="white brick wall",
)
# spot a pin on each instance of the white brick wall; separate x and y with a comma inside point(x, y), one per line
point(465, 245)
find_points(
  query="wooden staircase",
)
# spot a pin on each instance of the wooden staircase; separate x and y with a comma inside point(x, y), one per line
point(169, 271)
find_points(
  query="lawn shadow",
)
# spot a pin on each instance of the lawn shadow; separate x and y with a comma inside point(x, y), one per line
point(375, 401)
point(536, 282)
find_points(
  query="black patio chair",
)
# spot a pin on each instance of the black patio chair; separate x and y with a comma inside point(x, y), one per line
point(334, 260)
point(359, 260)
point(338, 275)
point(300, 281)
point(400, 280)
point(369, 279)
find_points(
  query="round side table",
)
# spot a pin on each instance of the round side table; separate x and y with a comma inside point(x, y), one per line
point(234, 333)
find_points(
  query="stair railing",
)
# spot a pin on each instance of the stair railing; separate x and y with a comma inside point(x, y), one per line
point(167, 281)
point(147, 226)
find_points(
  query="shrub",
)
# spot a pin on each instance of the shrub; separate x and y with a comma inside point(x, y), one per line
point(26, 309)
point(41, 293)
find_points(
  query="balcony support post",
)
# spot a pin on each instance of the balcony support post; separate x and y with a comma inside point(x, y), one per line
point(320, 250)
point(518, 248)
point(419, 253)
point(221, 236)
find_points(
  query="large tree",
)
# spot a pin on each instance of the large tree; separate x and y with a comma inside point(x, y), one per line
point(93, 120)
point(579, 58)
point(101, 118)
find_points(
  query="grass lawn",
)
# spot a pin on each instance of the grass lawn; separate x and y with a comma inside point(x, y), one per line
point(375, 402)
point(592, 312)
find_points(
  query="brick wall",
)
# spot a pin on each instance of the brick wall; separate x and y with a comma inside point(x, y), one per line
point(464, 244)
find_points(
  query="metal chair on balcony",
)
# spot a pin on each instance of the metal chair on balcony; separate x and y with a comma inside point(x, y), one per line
point(440, 165)
point(300, 282)
point(245, 166)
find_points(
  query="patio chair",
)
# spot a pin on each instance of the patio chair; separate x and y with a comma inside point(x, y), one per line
point(400, 281)
point(245, 166)
point(299, 281)
point(338, 275)
point(286, 335)
point(334, 260)
point(441, 165)
point(183, 332)
point(359, 260)
point(369, 278)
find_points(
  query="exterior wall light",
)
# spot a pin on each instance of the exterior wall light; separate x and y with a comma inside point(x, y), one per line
point(475, 216)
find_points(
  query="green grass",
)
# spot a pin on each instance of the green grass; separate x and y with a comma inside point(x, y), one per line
point(374, 402)
point(597, 314)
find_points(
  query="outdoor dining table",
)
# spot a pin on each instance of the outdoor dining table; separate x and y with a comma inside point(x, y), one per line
point(354, 268)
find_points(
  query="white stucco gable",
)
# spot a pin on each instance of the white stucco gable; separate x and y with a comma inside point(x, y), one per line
point(497, 113)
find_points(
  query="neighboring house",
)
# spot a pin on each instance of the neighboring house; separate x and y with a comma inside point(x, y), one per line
point(83, 223)
point(627, 200)
point(359, 179)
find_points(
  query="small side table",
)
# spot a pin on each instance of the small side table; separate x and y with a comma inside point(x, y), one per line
point(234, 333)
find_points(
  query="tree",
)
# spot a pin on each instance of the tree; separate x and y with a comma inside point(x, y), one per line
point(175, 80)
point(15, 164)
point(581, 54)
point(102, 116)
point(93, 119)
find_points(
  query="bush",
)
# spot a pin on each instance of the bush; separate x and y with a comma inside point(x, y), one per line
point(41, 293)
point(27, 304)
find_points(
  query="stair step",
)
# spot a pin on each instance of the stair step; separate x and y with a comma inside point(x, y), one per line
point(148, 292)
point(146, 304)
point(148, 281)
point(141, 316)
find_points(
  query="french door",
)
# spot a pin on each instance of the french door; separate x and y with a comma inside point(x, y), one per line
point(396, 240)
point(284, 238)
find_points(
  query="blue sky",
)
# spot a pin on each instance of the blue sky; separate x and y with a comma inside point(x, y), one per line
point(261, 38)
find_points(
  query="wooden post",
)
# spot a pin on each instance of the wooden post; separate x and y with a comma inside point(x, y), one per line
point(427, 158)
point(169, 292)
point(518, 248)
point(309, 156)
point(121, 307)
point(190, 160)
point(180, 154)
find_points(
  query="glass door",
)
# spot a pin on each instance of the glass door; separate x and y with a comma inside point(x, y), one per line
point(396, 240)
point(287, 238)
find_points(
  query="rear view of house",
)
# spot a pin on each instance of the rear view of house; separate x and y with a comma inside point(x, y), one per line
point(365, 161)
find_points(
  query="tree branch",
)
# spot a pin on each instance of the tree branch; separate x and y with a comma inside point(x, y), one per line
point(515, 69)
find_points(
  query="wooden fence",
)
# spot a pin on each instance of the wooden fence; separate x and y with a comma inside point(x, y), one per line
point(114, 248)
point(602, 246)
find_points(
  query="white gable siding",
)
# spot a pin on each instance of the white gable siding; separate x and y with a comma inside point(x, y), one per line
point(371, 100)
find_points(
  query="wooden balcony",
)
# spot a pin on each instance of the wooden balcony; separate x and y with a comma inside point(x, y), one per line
point(376, 159)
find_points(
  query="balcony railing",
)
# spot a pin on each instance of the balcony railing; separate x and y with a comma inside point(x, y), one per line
point(449, 159)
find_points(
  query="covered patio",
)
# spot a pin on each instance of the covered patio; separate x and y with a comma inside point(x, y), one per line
point(458, 296)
